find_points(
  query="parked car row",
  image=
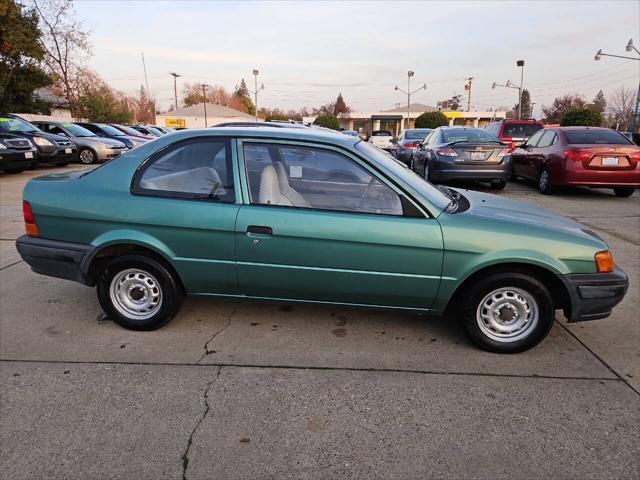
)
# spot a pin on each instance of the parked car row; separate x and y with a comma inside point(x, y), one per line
point(24, 144)
point(523, 149)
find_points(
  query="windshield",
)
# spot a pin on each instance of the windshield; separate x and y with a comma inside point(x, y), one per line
point(129, 130)
point(520, 130)
point(77, 130)
point(596, 137)
point(450, 135)
point(109, 130)
point(12, 124)
point(417, 134)
point(398, 169)
point(155, 131)
point(381, 133)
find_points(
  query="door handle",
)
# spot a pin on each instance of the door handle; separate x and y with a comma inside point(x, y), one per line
point(259, 229)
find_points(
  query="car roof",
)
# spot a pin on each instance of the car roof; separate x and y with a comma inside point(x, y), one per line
point(279, 132)
point(584, 128)
point(523, 120)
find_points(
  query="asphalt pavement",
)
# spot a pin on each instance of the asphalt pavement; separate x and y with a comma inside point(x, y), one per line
point(266, 390)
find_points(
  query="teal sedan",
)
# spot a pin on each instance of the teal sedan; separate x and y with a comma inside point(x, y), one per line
point(303, 215)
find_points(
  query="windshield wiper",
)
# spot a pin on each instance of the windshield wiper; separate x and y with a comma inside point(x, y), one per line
point(453, 195)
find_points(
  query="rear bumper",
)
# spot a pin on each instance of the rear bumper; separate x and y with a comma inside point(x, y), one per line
point(440, 171)
point(577, 175)
point(593, 295)
point(55, 258)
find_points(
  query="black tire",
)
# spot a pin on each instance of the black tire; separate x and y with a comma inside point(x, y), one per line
point(475, 296)
point(544, 182)
point(170, 297)
point(86, 156)
point(498, 184)
point(14, 170)
point(623, 191)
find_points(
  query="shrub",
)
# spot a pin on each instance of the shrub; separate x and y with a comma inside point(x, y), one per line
point(327, 121)
point(432, 120)
point(582, 117)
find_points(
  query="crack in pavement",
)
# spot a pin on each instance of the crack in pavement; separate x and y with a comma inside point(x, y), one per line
point(11, 265)
point(215, 334)
point(185, 455)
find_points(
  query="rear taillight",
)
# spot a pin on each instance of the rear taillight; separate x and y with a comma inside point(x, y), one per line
point(505, 152)
point(577, 155)
point(446, 152)
point(635, 155)
point(29, 220)
point(409, 144)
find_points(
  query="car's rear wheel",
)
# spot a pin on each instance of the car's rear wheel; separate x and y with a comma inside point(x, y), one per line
point(498, 184)
point(507, 312)
point(87, 156)
point(623, 191)
point(138, 292)
point(544, 182)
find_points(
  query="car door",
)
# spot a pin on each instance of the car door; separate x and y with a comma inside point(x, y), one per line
point(543, 149)
point(421, 154)
point(523, 157)
point(319, 224)
point(185, 198)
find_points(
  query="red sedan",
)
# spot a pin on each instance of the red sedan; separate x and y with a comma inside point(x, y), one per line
point(585, 156)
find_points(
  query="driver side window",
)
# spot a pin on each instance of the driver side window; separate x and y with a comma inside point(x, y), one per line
point(315, 178)
point(534, 139)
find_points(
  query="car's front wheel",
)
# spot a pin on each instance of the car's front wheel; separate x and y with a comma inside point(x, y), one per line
point(498, 184)
point(87, 156)
point(623, 191)
point(138, 292)
point(507, 312)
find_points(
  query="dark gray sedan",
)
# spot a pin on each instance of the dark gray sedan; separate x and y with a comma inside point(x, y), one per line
point(463, 153)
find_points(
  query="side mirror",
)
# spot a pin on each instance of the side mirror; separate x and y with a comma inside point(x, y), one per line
point(394, 140)
point(527, 147)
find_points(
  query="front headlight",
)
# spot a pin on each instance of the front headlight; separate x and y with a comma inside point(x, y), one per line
point(2, 146)
point(43, 142)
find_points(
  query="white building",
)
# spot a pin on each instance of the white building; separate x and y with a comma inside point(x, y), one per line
point(194, 116)
point(395, 120)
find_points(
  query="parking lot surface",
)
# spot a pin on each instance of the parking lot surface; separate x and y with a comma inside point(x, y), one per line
point(265, 390)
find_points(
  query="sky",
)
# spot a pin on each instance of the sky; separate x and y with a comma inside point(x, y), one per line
point(308, 52)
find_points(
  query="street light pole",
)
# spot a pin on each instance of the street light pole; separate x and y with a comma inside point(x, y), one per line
point(255, 92)
point(467, 87)
point(204, 104)
point(520, 63)
point(408, 93)
point(175, 88)
point(629, 48)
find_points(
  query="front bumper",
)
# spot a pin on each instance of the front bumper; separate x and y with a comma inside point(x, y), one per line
point(57, 155)
point(55, 258)
point(404, 155)
point(593, 295)
point(10, 158)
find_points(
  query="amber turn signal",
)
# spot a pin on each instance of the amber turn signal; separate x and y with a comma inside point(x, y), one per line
point(604, 261)
point(31, 230)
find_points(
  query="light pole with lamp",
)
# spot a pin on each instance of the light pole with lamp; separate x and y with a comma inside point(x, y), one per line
point(629, 48)
point(408, 93)
point(520, 63)
point(509, 84)
point(255, 92)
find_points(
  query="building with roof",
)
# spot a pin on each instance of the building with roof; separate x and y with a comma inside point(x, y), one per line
point(194, 116)
point(394, 120)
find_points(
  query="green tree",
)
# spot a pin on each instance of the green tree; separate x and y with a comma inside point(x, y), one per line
point(327, 121)
point(100, 103)
point(554, 112)
point(526, 104)
point(242, 94)
point(20, 57)
point(581, 116)
point(454, 103)
point(432, 120)
point(599, 103)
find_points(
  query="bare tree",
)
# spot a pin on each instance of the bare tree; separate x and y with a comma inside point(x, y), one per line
point(622, 104)
point(66, 45)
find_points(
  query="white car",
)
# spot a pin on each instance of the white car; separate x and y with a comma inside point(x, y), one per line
point(381, 139)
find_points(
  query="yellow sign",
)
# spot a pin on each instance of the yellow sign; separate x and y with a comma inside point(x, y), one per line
point(174, 122)
point(452, 114)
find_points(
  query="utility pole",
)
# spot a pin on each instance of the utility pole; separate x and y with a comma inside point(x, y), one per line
point(146, 80)
point(255, 92)
point(408, 93)
point(467, 87)
point(204, 104)
point(175, 88)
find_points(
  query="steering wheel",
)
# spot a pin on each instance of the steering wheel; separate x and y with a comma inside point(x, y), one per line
point(366, 192)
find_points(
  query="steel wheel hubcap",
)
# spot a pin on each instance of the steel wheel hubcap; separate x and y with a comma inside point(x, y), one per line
point(86, 156)
point(507, 314)
point(136, 294)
